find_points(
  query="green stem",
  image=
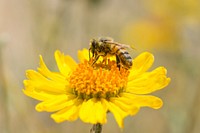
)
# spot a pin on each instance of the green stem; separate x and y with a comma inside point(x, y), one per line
point(97, 128)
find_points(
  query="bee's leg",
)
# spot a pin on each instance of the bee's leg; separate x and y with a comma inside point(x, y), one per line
point(93, 54)
point(118, 61)
point(96, 58)
point(105, 58)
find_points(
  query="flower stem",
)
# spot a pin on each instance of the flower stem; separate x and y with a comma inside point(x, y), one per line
point(96, 128)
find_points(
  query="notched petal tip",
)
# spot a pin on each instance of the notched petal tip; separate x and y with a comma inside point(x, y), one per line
point(62, 63)
point(162, 70)
point(146, 56)
point(31, 74)
point(158, 103)
point(57, 119)
point(39, 107)
point(142, 63)
point(162, 77)
point(83, 55)
point(168, 80)
point(57, 52)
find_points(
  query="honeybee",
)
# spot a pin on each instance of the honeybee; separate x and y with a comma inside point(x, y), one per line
point(107, 47)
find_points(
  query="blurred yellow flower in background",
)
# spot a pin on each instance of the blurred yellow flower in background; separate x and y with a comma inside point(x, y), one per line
point(176, 9)
point(151, 33)
point(89, 92)
point(162, 28)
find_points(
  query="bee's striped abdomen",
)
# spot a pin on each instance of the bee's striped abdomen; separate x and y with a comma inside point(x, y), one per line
point(123, 55)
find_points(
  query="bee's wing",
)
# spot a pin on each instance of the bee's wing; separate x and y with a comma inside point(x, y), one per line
point(130, 47)
point(119, 44)
point(125, 46)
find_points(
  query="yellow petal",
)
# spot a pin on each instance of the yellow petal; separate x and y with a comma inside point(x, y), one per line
point(144, 100)
point(93, 111)
point(69, 113)
point(149, 82)
point(65, 63)
point(40, 83)
point(125, 104)
point(41, 96)
point(47, 73)
point(83, 55)
point(56, 103)
point(141, 64)
point(118, 113)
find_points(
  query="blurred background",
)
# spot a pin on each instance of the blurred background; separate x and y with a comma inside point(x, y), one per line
point(170, 29)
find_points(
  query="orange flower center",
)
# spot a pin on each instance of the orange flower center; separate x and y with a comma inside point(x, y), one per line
point(98, 80)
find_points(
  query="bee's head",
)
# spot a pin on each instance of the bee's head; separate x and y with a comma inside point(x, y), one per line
point(94, 46)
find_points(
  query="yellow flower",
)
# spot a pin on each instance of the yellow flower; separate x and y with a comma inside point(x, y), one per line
point(156, 32)
point(89, 92)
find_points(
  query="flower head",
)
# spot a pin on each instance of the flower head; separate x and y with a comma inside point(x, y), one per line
point(89, 92)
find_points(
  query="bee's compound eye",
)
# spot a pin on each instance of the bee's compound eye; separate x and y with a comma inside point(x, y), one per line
point(92, 41)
